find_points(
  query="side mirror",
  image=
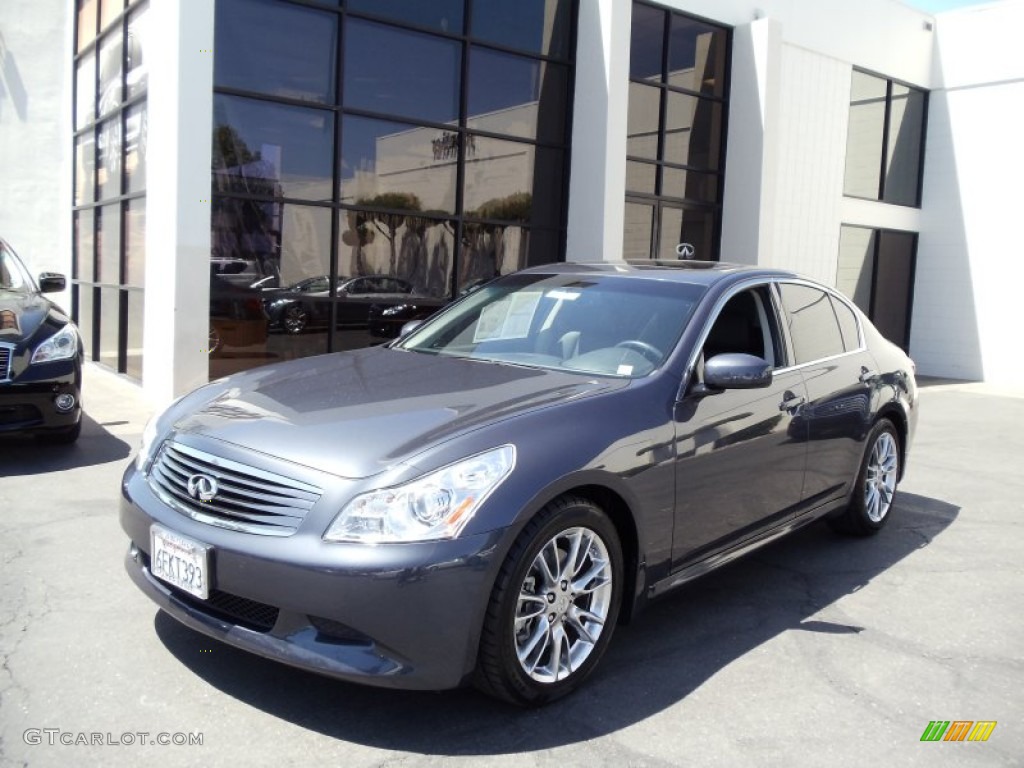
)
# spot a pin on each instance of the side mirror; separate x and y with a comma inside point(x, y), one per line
point(734, 370)
point(409, 327)
point(51, 282)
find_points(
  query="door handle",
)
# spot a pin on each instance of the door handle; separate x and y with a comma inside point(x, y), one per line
point(791, 402)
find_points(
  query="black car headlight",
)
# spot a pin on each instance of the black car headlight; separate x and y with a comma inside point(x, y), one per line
point(435, 506)
point(63, 345)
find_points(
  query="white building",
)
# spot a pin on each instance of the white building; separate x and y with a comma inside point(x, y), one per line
point(777, 132)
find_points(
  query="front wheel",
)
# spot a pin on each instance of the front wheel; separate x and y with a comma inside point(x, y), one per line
point(871, 502)
point(554, 605)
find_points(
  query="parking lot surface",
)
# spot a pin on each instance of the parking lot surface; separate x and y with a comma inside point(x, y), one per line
point(817, 650)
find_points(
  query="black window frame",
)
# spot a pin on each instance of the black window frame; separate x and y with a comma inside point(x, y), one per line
point(886, 123)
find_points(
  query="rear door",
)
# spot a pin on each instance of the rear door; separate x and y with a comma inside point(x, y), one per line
point(839, 374)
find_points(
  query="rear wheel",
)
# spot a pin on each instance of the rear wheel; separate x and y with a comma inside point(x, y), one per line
point(871, 503)
point(294, 319)
point(554, 606)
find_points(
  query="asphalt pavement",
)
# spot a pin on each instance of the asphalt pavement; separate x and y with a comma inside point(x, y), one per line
point(817, 650)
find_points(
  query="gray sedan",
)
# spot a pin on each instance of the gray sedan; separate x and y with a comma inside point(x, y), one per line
point(486, 498)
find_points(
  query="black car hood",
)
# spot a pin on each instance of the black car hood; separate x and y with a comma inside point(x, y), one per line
point(21, 314)
point(355, 414)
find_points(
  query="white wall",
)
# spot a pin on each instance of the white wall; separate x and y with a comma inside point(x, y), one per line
point(970, 263)
point(35, 131)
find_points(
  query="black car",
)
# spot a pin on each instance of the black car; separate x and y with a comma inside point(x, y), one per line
point(41, 356)
point(306, 304)
point(486, 498)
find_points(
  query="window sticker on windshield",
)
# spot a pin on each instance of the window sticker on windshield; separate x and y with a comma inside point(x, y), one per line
point(625, 370)
point(509, 318)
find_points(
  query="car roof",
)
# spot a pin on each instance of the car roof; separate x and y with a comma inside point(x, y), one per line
point(689, 271)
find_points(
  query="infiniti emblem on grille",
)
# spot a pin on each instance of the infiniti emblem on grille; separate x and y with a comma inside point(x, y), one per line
point(202, 487)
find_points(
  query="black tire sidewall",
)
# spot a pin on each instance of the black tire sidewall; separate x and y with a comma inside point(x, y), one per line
point(577, 513)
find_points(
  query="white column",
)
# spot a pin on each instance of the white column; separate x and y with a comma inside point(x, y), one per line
point(180, 103)
point(748, 214)
point(597, 185)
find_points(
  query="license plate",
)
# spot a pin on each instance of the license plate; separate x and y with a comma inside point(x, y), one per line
point(180, 561)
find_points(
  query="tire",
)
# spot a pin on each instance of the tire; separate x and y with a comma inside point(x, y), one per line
point(529, 609)
point(870, 504)
point(294, 318)
point(61, 437)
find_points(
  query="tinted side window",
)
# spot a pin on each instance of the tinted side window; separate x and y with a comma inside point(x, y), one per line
point(847, 324)
point(812, 323)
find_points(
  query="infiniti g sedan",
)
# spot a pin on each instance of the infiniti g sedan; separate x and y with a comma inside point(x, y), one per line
point(41, 356)
point(484, 499)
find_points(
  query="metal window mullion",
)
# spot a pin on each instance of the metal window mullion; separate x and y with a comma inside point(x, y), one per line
point(887, 116)
point(335, 250)
point(460, 167)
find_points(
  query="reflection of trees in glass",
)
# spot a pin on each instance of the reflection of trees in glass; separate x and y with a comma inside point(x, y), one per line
point(388, 222)
point(486, 247)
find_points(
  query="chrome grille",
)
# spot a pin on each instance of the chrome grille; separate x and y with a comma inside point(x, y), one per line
point(247, 499)
point(6, 353)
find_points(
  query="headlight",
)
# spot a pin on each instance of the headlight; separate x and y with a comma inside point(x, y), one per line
point(435, 506)
point(63, 345)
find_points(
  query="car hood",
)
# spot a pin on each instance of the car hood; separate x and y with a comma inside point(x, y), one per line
point(21, 314)
point(355, 414)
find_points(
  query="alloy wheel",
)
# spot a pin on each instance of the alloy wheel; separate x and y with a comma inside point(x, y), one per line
point(881, 476)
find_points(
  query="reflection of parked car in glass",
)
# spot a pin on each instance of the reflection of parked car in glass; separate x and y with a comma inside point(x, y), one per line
point(41, 356)
point(243, 272)
point(386, 320)
point(237, 318)
point(303, 305)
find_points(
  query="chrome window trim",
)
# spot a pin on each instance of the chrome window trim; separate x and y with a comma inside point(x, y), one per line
point(862, 345)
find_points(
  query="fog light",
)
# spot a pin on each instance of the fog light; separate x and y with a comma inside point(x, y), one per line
point(64, 403)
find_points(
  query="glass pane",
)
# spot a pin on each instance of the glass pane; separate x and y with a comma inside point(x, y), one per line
point(490, 250)
point(686, 234)
point(108, 233)
point(418, 78)
point(641, 177)
point(135, 243)
point(86, 23)
point(84, 318)
point(85, 91)
point(696, 56)
point(512, 181)
point(136, 319)
point(517, 95)
point(847, 324)
point(812, 323)
point(854, 272)
point(272, 149)
point(416, 250)
point(85, 168)
point(110, 325)
point(396, 165)
point(276, 48)
point(639, 225)
point(893, 286)
point(538, 26)
point(691, 185)
point(136, 121)
point(903, 164)
point(84, 243)
point(108, 159)
point(108, 11)
point(136, 72)
point(864, 139)
point(647, 43)
point(111, 67)
point(693, 131)
point(445, 15)
point(642, 121)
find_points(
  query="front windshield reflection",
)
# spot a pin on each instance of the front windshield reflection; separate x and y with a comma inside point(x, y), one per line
point(610, 325)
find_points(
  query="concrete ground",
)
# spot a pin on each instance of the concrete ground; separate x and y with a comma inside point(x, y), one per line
point(815, 651)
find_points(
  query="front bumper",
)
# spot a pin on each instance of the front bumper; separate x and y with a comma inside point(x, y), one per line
point(27, 404)
point(399, 616)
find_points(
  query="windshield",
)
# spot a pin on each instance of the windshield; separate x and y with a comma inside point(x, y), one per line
point(612, 325)
point(13, 276)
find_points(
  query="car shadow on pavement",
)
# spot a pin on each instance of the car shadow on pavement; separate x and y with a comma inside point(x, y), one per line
point(667, 653)
point(24, 455)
